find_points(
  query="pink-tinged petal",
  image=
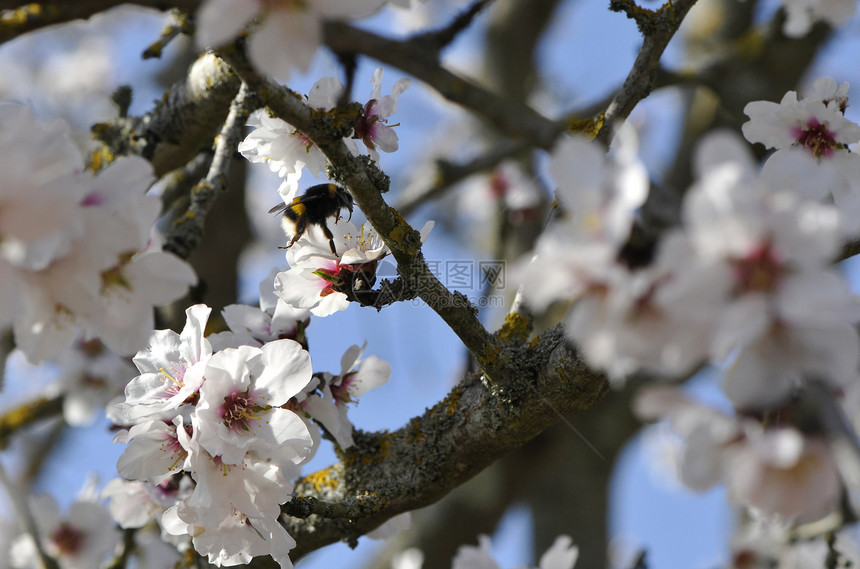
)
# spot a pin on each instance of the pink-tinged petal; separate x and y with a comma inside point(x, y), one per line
point(384, 137)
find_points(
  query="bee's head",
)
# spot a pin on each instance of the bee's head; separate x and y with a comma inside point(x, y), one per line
point(345, 200)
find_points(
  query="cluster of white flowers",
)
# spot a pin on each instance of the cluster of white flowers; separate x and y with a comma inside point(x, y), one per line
point(285, 34)
point(746, 282)
point(217, 430)
point(75, 248)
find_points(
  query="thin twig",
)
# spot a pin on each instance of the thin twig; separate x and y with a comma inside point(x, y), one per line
point(178, 24)
point(658, 28)
point(436, 40)
point(188, 229)
point(449, 173)
point(514, 119)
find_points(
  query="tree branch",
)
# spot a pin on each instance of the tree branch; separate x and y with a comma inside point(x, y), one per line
point(518, 121)
point(15, 419)
point(187, 230)
point(182, 123)
point(658, 29)
point(460, 436)
point(18, 18)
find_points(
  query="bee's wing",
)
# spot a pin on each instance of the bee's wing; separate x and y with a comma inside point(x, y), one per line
point(280, 208)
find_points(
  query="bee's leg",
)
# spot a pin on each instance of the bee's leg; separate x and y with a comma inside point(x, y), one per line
point(330, 236)
point(301, 225)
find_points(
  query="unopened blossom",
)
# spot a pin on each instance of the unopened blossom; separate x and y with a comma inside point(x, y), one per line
point(372, 127)
point(80, 539)
point(288, 35)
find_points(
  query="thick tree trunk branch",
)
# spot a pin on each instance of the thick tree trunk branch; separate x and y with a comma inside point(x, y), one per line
point(183, 122)
point(386, 474)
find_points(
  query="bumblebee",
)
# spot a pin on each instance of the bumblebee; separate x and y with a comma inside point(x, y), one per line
point(317, 204)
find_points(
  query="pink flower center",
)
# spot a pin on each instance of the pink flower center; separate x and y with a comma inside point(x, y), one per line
point(364, 127)
point(760, 271)
point(341, 392)
point(67, 539)
point(816, 138)
point(239, 410)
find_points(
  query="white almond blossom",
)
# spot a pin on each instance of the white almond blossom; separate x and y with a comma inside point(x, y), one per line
point(283, 148)
point(134, 504)
point(816, 122)
point(599, 196)
point(171, 369)
point(326, 401)
point(240, 402)
point(372, 127)
point(755, 267)
point(324, 283)
point(74, 253)
point(90, 376)
point(811, 137)
point(778, 472)
point(273, 320)
point(81, 539)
